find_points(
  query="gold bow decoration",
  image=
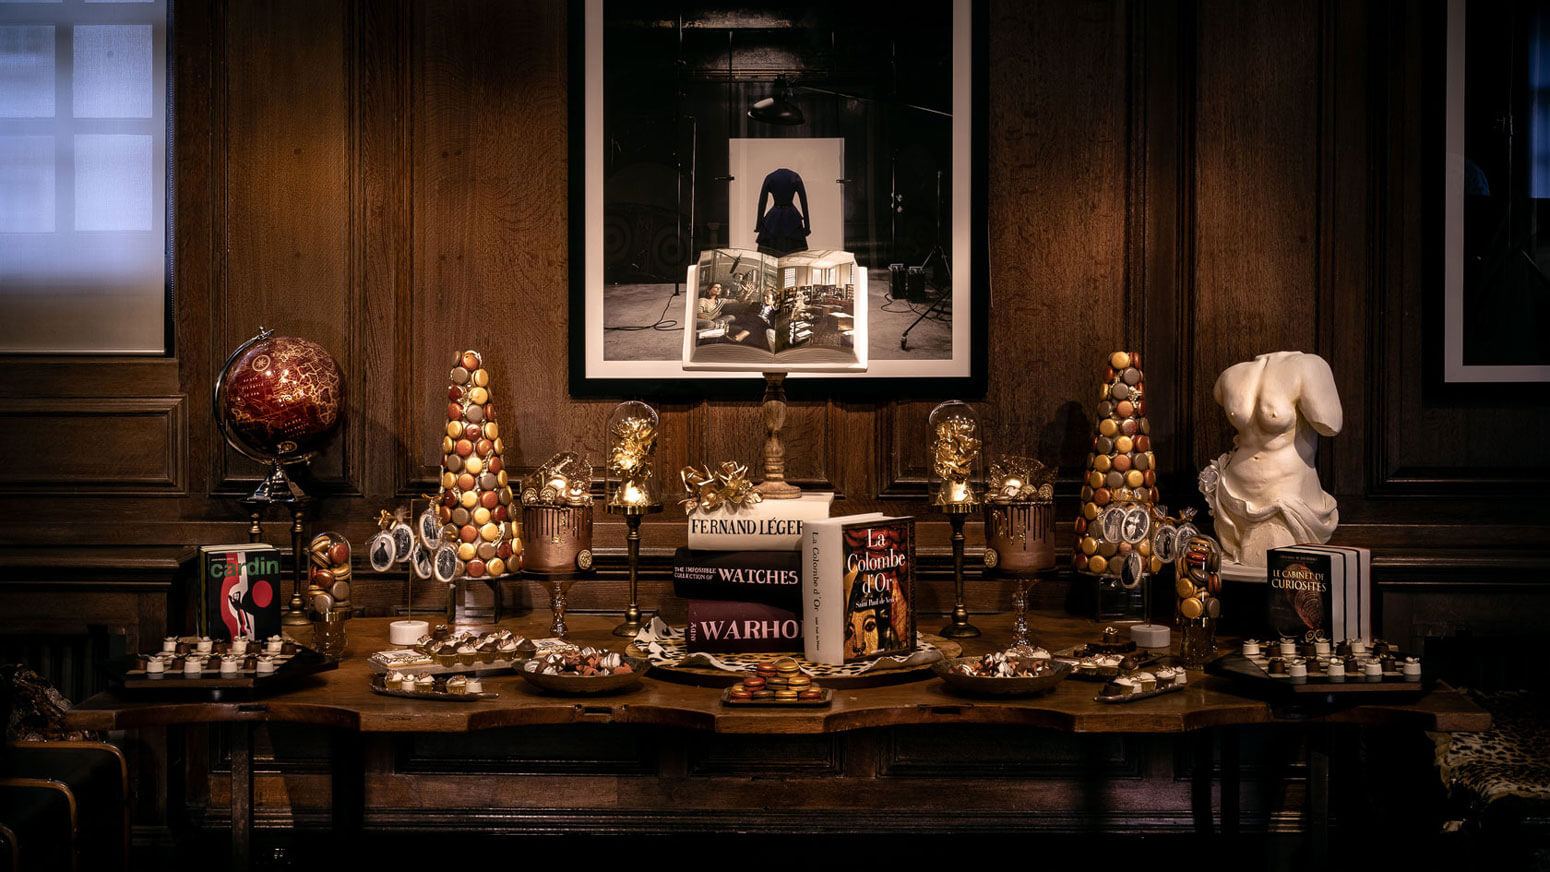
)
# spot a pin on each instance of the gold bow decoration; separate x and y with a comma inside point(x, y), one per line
point(727, 487)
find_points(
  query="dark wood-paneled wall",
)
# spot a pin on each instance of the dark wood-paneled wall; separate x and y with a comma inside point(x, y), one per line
point(1201, 181)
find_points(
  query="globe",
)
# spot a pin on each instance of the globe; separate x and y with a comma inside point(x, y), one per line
point(279, 397)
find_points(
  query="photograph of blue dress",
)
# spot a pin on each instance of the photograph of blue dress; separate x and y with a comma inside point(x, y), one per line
point(782, 229)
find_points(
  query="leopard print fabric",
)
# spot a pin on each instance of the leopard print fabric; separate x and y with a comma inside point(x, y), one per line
point(1510, 759)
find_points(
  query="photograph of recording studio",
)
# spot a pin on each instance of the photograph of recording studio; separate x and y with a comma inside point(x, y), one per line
point(821, 128)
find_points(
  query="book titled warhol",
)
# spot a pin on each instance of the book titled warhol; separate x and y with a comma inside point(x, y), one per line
point(858, 588)
point(741, 628)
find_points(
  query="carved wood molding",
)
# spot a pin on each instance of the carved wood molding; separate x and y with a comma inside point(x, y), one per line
point(94, 446)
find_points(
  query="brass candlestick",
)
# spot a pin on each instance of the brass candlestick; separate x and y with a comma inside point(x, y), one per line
point(632, 517)
point(959, 628)
point(774, 486)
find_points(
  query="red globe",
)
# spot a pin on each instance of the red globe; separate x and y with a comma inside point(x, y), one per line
point(282, 397)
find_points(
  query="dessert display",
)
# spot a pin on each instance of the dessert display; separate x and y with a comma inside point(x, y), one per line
point(1018, 671)
point(478, 533)
point(557, 516)
point(200, 662)
point(1016, 663)
point(777, 683)
point(328, 586)
point(420, 685)
point(1112, 528)
point(1141, 684)
point(1106, 658)
point(1320, 666)
point(445, 650)
point(583, 670)
point(1020, 516)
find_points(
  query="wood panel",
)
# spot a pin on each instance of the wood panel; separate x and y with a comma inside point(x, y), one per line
point(93, 446)
point(1256, 199)
point(289, 249)
point(489, 164)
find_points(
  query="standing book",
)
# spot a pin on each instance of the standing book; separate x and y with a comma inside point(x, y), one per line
point(1306, 597)
point(240, 589)
point(858, 583)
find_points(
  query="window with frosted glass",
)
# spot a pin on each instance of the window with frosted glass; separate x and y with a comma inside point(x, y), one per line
point(83, 177)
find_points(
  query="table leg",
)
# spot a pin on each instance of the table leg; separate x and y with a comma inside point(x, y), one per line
point(242, 795)
point(1318, 795)
point(348, 794)
point(1231, 780)
point(1200, 781)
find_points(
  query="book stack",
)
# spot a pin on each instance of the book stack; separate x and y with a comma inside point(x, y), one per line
point(1320, 591)
point(741, 575)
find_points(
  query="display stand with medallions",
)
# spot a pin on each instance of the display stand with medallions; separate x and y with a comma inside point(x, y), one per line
point(1020, 530)
point(1115, 520)
point(633, 487)
point(277, 399)
point(557, 528)
point(955, 456)
point(478, 533)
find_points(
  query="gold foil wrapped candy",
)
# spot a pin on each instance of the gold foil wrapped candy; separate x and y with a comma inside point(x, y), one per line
point(632, 447)
point(727, 487)
point(563, 480)
point(1014, 478)
point(954, 449)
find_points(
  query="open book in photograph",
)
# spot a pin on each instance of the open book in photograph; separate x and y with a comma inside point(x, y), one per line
point(802, 312)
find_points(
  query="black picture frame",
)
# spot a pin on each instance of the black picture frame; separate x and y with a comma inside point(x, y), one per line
point(965, 231)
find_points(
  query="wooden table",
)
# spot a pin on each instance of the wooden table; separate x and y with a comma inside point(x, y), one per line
point(342, 701)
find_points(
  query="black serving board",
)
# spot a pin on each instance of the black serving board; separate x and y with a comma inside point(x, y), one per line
point(1243, 669)
point(828, 697)
point(122, 672)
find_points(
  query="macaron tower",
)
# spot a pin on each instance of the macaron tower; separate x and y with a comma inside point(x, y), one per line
point(475, 505)
point(1114, 526)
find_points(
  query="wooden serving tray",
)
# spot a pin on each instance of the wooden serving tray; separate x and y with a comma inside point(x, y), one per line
point(726, 699)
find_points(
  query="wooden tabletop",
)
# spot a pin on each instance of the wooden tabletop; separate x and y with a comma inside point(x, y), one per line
point(341, 698)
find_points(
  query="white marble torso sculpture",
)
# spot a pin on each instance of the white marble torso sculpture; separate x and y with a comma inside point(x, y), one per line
point(1265, 493)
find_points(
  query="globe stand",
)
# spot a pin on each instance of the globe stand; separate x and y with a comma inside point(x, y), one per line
point(278, 489)
point(632, 517)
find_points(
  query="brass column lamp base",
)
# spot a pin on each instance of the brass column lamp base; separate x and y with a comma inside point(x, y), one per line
point(774, 485)
point(632, 517)
point(959, 628)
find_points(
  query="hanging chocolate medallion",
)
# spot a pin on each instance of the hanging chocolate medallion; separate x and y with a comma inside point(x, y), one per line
point(1165, 543)
point(420, 562)
point(381, 550)
point(430, 529)
point(1138, 521)
point(445, 563)
point(403, 541)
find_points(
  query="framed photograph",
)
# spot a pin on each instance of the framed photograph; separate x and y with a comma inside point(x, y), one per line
point(701, 130)
point(1495, 310)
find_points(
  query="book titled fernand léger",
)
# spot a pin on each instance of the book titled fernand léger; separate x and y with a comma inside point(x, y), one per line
point(769, 577)
point(240, 588)
point(1302, 593)
point(858, 588)
point(770, 525)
